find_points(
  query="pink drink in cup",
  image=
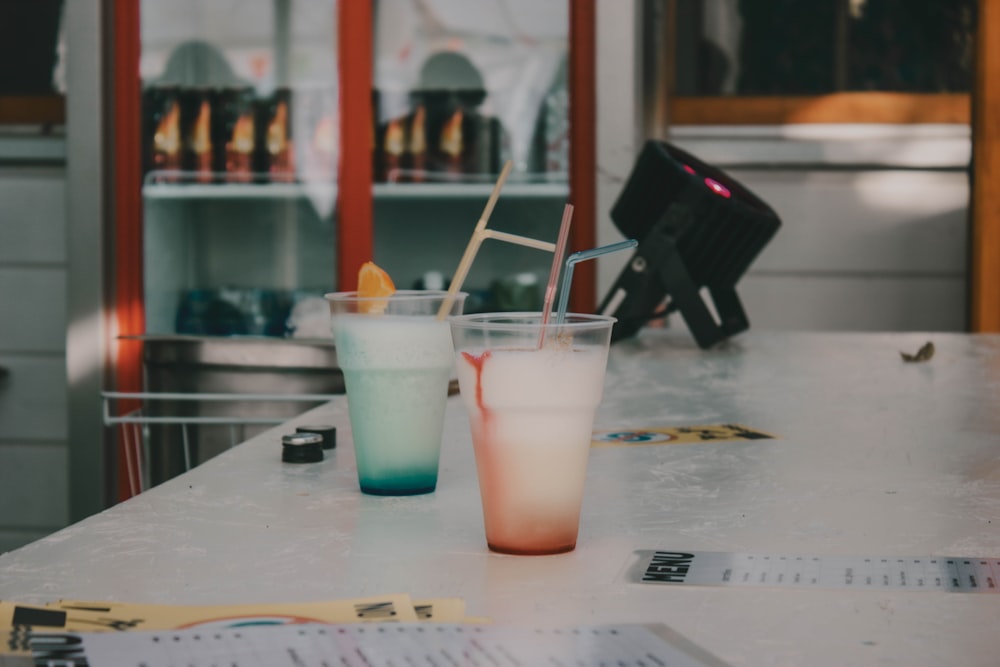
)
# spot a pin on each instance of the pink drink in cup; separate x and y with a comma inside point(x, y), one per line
point(531, 411)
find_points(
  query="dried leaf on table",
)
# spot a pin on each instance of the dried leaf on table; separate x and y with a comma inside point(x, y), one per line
point(925, 353)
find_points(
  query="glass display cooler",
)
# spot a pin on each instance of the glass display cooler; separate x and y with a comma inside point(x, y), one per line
point(264, 149)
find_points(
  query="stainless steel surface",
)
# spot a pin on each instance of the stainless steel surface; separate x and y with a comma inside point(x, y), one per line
point(134, 426)
point(205, 365)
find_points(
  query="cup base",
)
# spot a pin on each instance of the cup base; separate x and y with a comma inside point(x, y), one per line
point(514, 551)
point(375, 491)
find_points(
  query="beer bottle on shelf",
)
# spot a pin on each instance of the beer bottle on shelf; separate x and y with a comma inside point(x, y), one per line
point(393, 147)
point(277, 148)
point(418, 145)
point(162, 131)
point(452, 143)
point(198, 155)
point(237, 133)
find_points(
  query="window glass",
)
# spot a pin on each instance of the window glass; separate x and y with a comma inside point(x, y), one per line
point(494, 70)
point(796, 47)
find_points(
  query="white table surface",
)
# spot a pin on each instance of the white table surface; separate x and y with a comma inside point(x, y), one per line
point(875, 457)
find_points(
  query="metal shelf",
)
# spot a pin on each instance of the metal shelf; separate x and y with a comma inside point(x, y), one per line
point(156, 189)
point(248, 191)
point(468, 190)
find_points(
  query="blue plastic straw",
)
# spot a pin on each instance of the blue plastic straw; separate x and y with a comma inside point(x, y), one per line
point(583, 256)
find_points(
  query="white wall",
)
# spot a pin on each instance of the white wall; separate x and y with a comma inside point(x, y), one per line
point(33, 395)
point(619, 128)
point(861, 250)
point(874, 223)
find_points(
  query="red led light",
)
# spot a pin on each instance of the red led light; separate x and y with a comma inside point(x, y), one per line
point(717, 188)
point(689, 170)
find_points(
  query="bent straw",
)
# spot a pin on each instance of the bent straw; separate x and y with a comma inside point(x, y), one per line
point(473, 246)
point(557, 256)
point(519, 240)
point(582, 256)
point(480, 234)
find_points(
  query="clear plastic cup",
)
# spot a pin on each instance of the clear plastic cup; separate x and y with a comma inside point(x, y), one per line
point(531, 410)
point(397, 360)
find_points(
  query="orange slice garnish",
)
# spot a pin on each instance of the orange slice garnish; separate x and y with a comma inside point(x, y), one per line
point(374, 282)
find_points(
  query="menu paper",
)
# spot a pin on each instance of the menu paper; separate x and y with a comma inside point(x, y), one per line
point(378, 645)
point(21, 624)
point(717, 568)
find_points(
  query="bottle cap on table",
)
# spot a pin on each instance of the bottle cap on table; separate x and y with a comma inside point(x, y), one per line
point(301, 448)
point(327, 432)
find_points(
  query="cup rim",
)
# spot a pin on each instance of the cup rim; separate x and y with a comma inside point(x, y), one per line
point(531, 320)
point(398, 295)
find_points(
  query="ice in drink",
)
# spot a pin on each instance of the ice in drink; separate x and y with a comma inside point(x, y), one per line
point(531, 413)
point(396, 365)
point(394, 371)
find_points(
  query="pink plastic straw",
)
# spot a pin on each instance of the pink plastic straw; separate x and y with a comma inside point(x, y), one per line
point(557, 258)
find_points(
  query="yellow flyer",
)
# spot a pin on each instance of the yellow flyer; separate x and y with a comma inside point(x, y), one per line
point(441, 610)
point(97, 616)
point(677, 435)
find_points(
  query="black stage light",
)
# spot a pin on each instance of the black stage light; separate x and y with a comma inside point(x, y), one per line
point(698, 229)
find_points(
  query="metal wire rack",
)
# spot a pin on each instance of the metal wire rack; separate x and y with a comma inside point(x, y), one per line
point(135, 424)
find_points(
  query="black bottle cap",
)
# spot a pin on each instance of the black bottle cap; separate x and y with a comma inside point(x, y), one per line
point(301, 448)
point(328, 433)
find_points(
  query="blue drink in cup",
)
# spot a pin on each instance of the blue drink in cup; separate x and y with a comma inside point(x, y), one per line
point(397, 358)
